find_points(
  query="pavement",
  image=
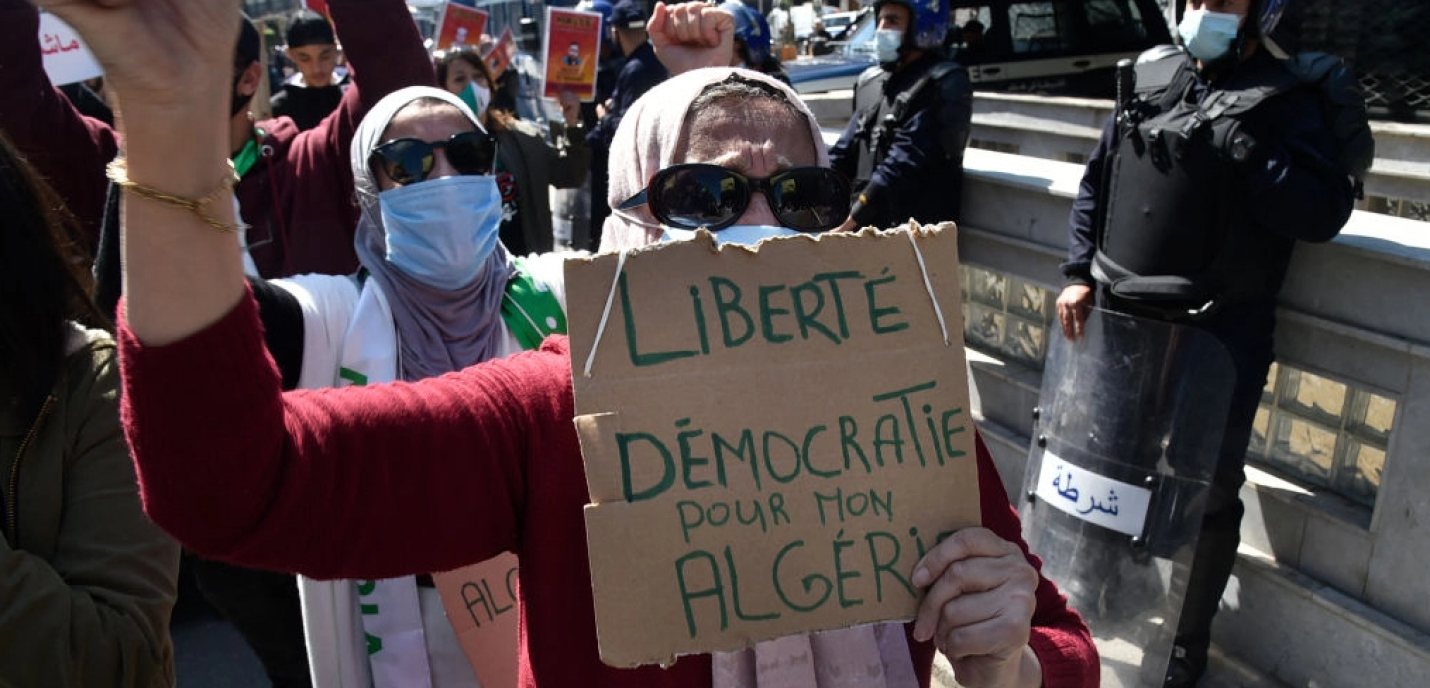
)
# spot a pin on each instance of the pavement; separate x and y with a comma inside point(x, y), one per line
point(1223, 671)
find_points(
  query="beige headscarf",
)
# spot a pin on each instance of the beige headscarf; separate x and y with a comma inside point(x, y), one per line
point(874, 656)
point(645, 143)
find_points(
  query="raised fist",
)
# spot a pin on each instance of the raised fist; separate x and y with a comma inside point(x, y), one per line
point(692, 35)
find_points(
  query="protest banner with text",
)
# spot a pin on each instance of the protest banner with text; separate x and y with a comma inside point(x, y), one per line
point(480, 601)
point(461, 27)
point(501, 54)
point(66, 58)
point(772, 438)
point(571, 47)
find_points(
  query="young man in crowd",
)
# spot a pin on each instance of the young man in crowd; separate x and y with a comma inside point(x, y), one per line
point(315, 91)
point(295, 187)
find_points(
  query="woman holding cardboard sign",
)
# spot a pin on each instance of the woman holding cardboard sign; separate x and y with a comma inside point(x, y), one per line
point(475, 462)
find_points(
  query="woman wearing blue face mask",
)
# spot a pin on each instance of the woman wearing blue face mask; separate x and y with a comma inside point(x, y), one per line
point(437, 292)
point(529, 165)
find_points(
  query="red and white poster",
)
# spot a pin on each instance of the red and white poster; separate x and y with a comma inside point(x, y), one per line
point(572, 41)
point(501, 54)
point(65, 57)
point(461, 27)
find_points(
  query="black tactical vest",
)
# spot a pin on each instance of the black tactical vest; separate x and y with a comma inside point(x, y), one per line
point(1164, 232)
point(880, 117)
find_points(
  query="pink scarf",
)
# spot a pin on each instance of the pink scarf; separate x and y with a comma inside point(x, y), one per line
point(867, 656)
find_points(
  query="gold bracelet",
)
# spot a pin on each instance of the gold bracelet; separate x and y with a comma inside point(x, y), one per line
point(118, 171)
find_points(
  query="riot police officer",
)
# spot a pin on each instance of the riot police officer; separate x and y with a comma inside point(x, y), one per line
point(912, 113)
point(1188, 212)
point(640, 72)
point(752, 41)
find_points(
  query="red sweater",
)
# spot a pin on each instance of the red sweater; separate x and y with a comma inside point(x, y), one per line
point(374, 482)
point(298, 198)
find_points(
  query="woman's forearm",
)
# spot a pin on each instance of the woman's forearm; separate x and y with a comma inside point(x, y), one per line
point(180, 273)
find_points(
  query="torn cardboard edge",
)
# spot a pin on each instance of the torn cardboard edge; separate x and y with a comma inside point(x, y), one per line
point(827, 402)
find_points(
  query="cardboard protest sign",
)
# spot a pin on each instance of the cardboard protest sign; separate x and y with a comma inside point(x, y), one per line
point(480, 601)
point(772, 439)
point(461, 27)
point(501, 54)
point(571, 47)
point(66, 58)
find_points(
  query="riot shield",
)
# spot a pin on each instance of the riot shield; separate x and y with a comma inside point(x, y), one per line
point(1128, 431)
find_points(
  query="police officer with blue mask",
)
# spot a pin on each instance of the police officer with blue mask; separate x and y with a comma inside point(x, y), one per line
point(1217, 162)
point(752, 41)
point(912, 116)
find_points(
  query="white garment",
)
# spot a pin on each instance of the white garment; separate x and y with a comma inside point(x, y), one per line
point(345, 328)
point(778, 19)
point(249, 267)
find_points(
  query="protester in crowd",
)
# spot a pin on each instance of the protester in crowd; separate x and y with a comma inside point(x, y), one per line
point(528, 165)
point(752, 41)
point(609, 64)
point(295, 188)
point(86, 581)
point(819, 41)
point(640, 72)
point(494, 444)
point(507, 91)
point(315, 90)
point(88, 101)
point(780, 25)
point(574, 206)
point(441, 293)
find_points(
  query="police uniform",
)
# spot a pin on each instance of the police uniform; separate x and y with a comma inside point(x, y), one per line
point(911, 168)
point(1210, 210)
point(641, 72)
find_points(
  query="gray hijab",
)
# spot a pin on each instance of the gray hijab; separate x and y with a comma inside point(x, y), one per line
point(438, 331)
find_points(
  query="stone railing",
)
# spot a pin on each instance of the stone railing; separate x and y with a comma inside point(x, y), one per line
point(1066, 129)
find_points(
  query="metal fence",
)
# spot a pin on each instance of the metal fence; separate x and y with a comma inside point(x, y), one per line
point(1385, 42)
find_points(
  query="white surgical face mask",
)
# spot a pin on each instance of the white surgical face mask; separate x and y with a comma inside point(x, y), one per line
point(886, 44)
point(747, 235)
point(1208, 35)
point(744, 235)
point(441, 231)
point(477, 97)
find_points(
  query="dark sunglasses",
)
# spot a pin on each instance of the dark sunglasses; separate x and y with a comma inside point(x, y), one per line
point(694, 195)
point(409, 160)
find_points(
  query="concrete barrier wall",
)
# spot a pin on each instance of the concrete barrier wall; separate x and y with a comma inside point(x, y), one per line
point(1066, 129)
